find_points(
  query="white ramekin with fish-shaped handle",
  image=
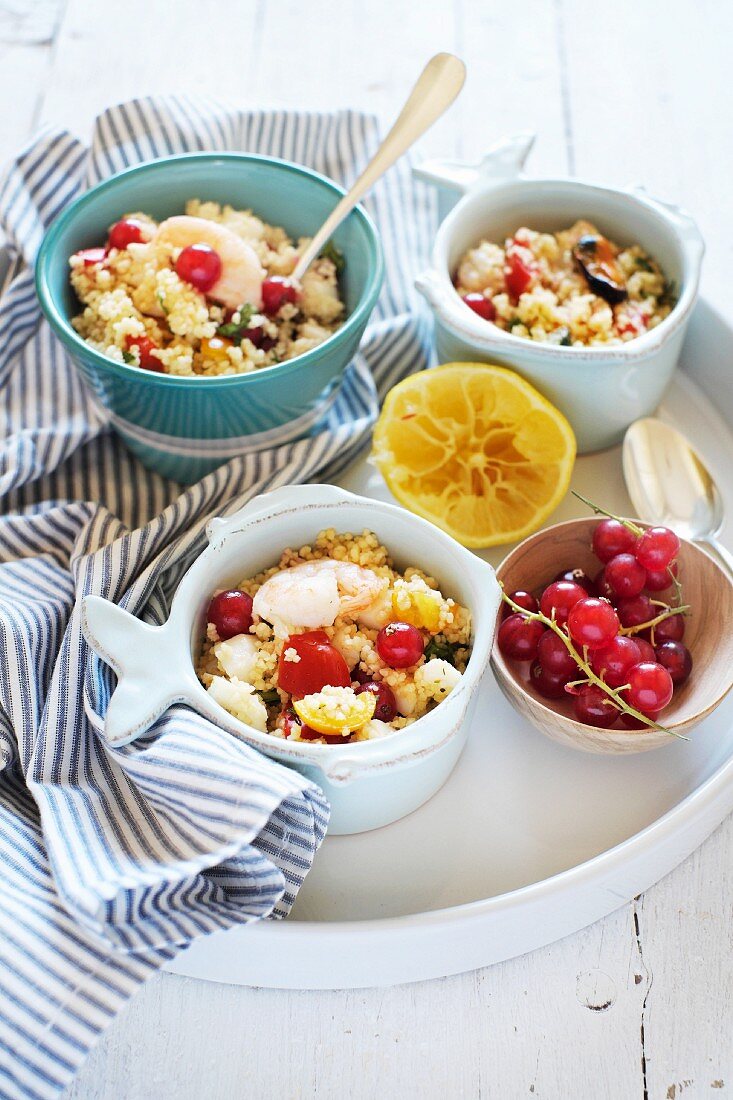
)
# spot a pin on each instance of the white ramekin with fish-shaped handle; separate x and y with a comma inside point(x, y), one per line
point(368, 783)
point(600, 389)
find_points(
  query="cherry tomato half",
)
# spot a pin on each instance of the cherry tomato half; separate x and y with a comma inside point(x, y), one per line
point(146, 350)
point(518, 270)
point(320, 664)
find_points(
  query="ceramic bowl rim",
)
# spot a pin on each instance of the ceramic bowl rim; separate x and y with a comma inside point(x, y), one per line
point(500, 666)
point(68, 335)
point(646, 344)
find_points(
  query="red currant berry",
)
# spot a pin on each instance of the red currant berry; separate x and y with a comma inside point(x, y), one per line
point(657, 548)
point(646, 649)
point(659, 582)
point(386, 707)
point(128, 231)
point(146, 350)
point(603, 588)
point(578, 576)
point(614, 660)
point(199, 265)
point(593, 707)
point(518, 637)
point(676, 658)
point(611, 537)
point(552, 654)
point(625, 577)
point(547, 683)
point(276, 291)
point(484, 307)
point(636, 611)
point(650, 687)
point(593, 622)
point(559, 598)
point(525, 600)
point(669, 630)
point(400, 645)
point(231, 613)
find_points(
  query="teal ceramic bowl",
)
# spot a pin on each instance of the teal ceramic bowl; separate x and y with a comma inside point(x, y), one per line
point(185, 427)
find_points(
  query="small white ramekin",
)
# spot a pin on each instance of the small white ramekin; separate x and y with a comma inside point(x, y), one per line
point(368, 783)
point(600, 390)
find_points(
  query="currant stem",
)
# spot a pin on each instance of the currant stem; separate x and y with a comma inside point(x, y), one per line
point(638, 531)
point(619, 702)
point(677, 586)
point(666, 614)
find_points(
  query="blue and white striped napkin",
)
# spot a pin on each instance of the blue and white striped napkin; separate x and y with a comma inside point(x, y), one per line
point(112, 860)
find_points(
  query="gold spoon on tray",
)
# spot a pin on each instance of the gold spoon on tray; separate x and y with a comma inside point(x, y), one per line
point(437, 86)
point(669, 484)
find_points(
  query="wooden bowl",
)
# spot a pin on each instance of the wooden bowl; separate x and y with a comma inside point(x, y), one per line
point(708, 635)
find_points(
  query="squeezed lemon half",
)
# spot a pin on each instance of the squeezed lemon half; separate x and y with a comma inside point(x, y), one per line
point(476, 450)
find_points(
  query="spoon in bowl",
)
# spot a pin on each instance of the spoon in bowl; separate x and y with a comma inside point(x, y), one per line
point(437, 86)
point(669, 484)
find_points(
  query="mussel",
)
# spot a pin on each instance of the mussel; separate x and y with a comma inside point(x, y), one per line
point(596, 258)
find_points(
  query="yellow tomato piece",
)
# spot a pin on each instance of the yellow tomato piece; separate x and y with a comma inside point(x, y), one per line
point(476, 450)
point(421, 609)
point(215, 348)
point(341, 711)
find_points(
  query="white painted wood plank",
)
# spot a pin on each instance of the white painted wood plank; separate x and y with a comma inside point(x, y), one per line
point(648, 104)
point(27, 35)
point(536, 1025)
point(686, 929)
point(324, 55)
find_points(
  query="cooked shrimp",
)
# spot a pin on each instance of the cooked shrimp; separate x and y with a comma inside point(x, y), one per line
point(314, 593)
point(241, 272)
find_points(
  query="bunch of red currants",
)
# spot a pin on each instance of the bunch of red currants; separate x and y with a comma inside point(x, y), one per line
point(607, 642)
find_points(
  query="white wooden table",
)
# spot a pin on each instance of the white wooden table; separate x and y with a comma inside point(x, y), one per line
point(641, 1004)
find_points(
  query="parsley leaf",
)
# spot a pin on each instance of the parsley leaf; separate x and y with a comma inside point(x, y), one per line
point(335, 255)
point(668, 296)
point(439, 646)
point(235, 330)
point(129, 358)
point(560, 336)
point(270, 698)
point(643, 264)
point(161, 301)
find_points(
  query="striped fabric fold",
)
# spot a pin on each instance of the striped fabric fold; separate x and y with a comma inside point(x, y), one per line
point(115, 859)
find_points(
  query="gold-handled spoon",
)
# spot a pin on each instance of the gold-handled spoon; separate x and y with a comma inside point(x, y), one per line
point(437, 86)
point(669, 484)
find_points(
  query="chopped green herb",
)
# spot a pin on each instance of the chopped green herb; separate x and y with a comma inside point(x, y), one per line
point(129, 357)
point(439, 646)
point(270, 698)
point(669, 294)
point(235, 330)
point(643, 264)
point(560, 336)
point(514, 322)
point(161, 300)
point(335, 255)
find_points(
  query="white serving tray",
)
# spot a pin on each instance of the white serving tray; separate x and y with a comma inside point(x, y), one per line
point(528, 841)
